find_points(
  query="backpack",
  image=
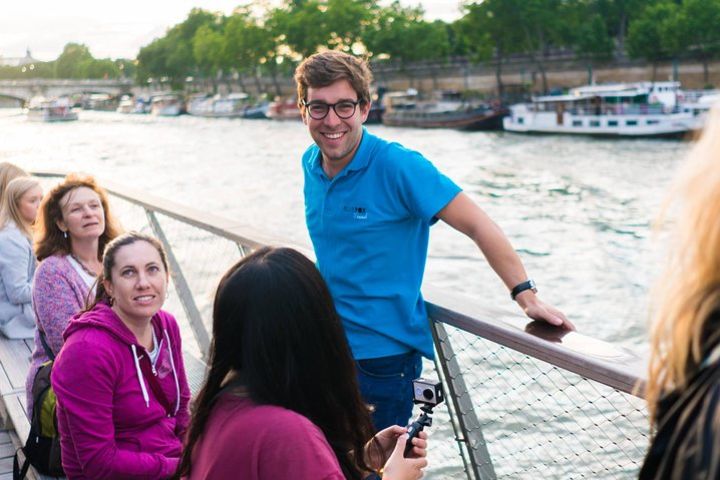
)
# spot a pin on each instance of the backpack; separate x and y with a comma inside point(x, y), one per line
point(42, 448)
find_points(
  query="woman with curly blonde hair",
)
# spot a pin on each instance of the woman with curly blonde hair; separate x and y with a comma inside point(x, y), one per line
point(683, 389)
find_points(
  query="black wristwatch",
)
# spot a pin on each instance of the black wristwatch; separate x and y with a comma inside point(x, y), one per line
point(521, 287)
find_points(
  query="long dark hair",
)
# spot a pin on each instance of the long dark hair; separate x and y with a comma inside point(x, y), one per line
point(108, 262)
point(274, 321)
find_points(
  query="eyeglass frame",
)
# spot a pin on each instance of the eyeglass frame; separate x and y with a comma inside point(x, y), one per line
point(332, 106)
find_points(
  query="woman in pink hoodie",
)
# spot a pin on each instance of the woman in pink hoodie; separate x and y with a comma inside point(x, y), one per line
point(119, 379)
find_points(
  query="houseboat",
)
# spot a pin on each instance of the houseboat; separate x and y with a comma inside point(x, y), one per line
point(643, 109)
point(284, 110)
point(51, 110)
point(166, 105)
point(403, 109)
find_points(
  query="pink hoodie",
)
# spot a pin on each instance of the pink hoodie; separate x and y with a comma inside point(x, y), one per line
point(114, 421)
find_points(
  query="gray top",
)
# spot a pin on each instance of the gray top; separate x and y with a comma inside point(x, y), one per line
point(17, 267)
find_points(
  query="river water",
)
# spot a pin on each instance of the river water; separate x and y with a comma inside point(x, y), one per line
point(578, 210)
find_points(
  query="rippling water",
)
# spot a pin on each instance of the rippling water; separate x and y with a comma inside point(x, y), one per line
point(577, 209)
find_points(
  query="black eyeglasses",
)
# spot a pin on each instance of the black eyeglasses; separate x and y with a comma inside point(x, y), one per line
point(343, 109)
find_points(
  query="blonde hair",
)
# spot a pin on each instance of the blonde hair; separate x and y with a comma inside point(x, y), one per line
point(9, 210)
point(690, 290)
point(8, 171)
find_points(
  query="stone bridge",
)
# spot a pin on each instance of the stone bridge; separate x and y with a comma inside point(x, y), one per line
point(24, 90)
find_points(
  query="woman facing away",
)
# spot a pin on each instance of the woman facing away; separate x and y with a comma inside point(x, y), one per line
point(73, 227)
point(683, 389)
point(281, 399)
point(8, 172)
point(122, 393)
point(18, 209)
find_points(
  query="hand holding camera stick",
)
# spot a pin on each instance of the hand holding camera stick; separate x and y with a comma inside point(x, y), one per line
point(414, 429)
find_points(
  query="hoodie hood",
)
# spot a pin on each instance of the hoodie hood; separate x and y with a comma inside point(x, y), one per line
point(103, 317)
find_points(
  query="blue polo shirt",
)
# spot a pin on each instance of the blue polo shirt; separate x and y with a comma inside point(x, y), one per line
point(370, 226)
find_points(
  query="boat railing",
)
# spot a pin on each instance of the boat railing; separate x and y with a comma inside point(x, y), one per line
point(524, 400)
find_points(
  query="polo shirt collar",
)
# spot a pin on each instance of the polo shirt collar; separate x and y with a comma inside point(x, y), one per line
point(360, 160)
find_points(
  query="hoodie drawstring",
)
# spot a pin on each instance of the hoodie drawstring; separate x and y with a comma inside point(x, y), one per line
point(172, 364)
point(140, 376)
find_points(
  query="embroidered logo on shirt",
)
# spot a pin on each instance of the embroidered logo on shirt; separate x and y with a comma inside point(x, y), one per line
point(359, 213)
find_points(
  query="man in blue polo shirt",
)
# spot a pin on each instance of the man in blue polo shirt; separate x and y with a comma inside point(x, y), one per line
point(369, 205)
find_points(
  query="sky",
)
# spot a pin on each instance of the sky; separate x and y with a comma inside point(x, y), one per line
point(119, 29)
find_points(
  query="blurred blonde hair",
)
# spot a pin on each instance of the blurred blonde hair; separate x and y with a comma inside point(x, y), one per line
point(689, 291)
point(9, 210)
point(8, 171)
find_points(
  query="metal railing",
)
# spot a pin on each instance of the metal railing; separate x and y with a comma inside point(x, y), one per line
point(523, 400)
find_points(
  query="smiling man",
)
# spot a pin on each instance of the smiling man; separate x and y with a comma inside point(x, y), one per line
point(369, 205)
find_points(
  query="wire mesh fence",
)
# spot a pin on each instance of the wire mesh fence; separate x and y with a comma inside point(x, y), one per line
point(540, 421)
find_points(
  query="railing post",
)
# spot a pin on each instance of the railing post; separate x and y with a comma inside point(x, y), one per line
point(481, 467)
point(186, 297)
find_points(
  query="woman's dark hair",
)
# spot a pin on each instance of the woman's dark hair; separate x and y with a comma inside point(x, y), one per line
point(50, 240)
point(274, 322)
point(108, 262)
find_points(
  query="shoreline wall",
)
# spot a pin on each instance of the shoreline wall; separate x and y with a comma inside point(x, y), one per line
point(517, 75)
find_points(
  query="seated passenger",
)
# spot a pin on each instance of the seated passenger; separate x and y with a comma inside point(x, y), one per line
point(281, 399)
point(8, 172)
point(683, 388)
point(122, 394)
point(17, 261)
point(73, 227)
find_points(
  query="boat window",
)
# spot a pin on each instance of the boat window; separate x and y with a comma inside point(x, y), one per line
point(631, 123)
point(577, 123)
point(612, 123)
point(652, 122)
point(594, 123)
point(521, 120)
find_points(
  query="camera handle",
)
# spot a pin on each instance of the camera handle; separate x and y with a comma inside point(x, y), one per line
point(414, 429)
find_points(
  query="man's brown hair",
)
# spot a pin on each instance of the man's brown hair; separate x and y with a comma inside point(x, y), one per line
point(325, 68)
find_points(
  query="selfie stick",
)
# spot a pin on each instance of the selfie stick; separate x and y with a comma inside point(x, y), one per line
point(424, 420)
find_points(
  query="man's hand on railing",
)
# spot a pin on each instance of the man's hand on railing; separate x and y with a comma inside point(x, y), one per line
point(539, 310)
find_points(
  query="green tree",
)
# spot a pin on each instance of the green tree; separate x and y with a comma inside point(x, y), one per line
point(98, 68)
point(648, 34)
point(698, 25)
point(208, 51)
point(172, 56)
point(619, 15)
point(593, 42)
point(68, 64)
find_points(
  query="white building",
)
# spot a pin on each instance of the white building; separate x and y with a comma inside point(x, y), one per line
point(17, 61)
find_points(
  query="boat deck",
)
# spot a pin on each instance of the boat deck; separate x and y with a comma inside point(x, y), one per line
point(14, 365)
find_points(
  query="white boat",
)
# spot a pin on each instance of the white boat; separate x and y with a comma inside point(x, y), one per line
point(699, 102)
point(126, 105)
point(200, 104)
point(51, 110)
point(166, 105)
point(231, 106)
point(625, 109)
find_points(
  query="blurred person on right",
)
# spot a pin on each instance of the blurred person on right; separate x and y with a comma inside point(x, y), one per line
point(683, 388)
point(73, 227)
point(281, 399)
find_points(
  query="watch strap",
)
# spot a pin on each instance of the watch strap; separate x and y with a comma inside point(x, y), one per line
point(521, 287)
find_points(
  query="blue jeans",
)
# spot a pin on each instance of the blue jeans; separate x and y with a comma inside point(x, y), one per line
point(386, 383)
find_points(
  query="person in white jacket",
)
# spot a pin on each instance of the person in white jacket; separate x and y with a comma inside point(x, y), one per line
point(21, 199)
